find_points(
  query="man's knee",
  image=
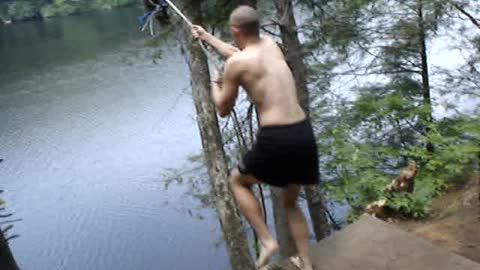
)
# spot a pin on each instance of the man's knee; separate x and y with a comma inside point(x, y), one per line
point(289, 203)
point(290, 197)
point(235, 177)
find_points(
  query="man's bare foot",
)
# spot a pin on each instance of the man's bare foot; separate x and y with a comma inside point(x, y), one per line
point(267, 250)
point(297, 262)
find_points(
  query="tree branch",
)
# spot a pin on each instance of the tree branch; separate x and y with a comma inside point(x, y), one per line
point(10, 221)
point(464, 12)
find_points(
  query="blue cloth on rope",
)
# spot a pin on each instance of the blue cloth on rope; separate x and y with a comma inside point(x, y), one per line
point(162, 3)
point(142, 19)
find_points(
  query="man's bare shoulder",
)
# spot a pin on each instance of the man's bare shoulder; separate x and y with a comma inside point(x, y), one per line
point(270, 45)
point(244, 55)
point(240, 60)
point(267, 38)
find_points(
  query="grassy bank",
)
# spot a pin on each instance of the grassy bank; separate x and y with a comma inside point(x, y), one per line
point(19, 10)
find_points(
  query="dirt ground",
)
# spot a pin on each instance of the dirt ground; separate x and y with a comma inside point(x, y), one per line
point(455, 221)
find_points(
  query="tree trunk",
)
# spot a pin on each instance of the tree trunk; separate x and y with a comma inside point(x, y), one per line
point(295, 58)
point(425, 73)
point(284, 237)
point(235, 238)
point(7, 262)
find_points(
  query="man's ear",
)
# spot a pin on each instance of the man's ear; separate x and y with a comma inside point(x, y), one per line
point(236, 30)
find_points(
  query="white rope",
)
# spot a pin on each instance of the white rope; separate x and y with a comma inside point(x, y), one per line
point(204, 49)
point(179, 13)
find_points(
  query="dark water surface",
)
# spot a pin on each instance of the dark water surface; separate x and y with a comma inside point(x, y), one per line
point(88, 126)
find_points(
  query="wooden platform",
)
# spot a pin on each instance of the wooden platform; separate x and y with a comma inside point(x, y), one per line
point(371, 244)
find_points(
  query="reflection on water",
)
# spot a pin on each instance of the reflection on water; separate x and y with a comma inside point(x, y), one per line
point(88, 125)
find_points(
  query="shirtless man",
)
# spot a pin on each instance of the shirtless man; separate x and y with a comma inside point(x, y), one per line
point(285, 154)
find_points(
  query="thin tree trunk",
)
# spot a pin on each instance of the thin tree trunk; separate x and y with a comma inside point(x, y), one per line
point(284, 237)
point(425, 73)
point(235, 238)
point(7, 262)
point(295, 58)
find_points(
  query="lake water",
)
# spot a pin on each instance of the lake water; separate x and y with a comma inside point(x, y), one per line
point(89, 124)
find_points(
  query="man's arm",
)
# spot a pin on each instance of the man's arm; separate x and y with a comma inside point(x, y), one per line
point(225, 49)
point(225, 91)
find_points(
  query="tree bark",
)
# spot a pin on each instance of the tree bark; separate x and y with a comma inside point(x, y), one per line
point(284, 237)
point(7, 262)
point(295, 58)
point(233, 231)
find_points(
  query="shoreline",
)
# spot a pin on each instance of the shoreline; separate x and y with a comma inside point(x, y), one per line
point(37, 17)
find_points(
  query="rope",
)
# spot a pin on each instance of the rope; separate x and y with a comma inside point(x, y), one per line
point(179, 13)
point(149, 22)
point(190, 24)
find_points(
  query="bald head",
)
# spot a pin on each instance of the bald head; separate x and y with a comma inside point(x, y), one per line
point(247, 19)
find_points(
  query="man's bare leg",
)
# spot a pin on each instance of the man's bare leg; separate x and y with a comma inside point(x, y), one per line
point(250, 207)
point(298, 225)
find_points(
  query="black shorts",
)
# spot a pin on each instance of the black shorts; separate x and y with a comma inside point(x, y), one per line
point(282, 155)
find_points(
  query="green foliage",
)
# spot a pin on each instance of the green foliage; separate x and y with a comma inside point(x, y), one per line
point(377, 114)
point(414, 205)
point(476, 42)
point(108, 4)
point(62, 7)
point(362, 166)
point(457, 145)
point(353, 165)
point(19, 10)
point(338, 33)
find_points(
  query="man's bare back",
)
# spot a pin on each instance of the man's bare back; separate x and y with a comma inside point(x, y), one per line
point(262, 70)
point(285, 152)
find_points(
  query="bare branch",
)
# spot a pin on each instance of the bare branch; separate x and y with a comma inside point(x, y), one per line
point(265, 29)
point(12, 237)
point(10, 221)
point(9, 227)
point(464, 12)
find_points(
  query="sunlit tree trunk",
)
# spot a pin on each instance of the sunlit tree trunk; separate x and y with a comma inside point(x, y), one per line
point(284, 237)
point(233, 231)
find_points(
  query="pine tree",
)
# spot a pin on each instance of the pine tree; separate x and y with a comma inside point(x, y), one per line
point(383, 114)
point(7, 261)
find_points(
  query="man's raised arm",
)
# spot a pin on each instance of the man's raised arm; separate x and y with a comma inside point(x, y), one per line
point(225, 88)
point(225, 49)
